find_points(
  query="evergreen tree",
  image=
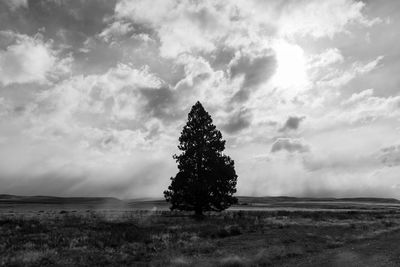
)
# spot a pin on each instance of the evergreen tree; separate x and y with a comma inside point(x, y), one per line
point(206, 180)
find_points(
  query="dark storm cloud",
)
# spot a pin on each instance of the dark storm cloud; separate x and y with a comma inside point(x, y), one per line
point(237, 121)
point(292, 123)
point(255, 71)
point(289, 145)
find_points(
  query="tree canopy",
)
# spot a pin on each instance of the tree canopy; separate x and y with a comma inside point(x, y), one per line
point(206, 178)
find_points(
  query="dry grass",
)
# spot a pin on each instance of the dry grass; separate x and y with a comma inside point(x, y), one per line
point(232, 238)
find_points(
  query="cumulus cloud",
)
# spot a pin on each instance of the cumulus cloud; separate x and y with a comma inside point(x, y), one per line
point(141, 11)
point(202, 82)
point(328, 57)
point(15, 4)
point(87, 129)
point(116, 94)
point(171, 20)
point(29, 59)
point(196, 68)
point(238, 22)
point(324, 18)
point(290, 145)
point(116, 30)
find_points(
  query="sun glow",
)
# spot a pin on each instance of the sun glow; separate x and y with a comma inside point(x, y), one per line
point(291, 72)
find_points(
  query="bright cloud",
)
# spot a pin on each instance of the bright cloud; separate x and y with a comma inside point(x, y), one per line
point(321, 18)
point(29, 59)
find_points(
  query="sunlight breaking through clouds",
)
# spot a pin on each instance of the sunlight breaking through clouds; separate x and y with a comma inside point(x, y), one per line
point(291, 71)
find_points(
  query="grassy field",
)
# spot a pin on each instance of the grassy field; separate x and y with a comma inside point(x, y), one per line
point(280, 233)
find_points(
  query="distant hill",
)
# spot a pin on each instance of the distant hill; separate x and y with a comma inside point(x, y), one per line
point(144, 202)
point(271, 200)
point(13, 199)
point(280, 200)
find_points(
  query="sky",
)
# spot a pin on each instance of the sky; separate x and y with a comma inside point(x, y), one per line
point(94, 94)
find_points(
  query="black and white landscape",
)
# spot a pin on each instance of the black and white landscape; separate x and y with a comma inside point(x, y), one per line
point(199, 133)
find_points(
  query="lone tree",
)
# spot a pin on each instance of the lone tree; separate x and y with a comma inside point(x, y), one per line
point(206, 180)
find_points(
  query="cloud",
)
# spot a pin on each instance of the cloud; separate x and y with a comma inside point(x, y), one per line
point(29, 59)
point(116, 30)
point(292, 123)
point(364, 107)
point(254, 72)
point(332, 168)
point(141, 11)
point(290, 145)
point(365, 68)
point(202, 82)
point(86, 129)
point(339, 161)
point(237, 121)
point(70, 169)
point(358, 97)
point(196, 69)
point(67, 23)
point(15, 4)
point(340, 78)
point(324, 18)
point(262, 157)
point(239, 24)
point(328, 57)
point(115, 94)
point(390, 156)
point(109, 114)
point(361, 109)
point(161, 103)
point(171, 20)
point(342, 162)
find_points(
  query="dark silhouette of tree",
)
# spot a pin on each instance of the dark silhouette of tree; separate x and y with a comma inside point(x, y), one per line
point(206, 180)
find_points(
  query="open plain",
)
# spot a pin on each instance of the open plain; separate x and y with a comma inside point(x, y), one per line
point(281, 231)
